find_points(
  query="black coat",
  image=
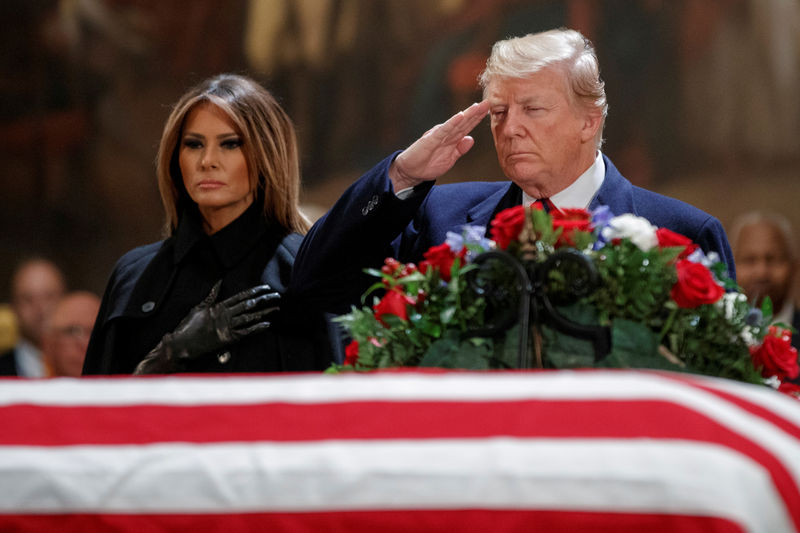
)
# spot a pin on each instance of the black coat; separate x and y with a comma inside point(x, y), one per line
point(153, 287)
point(8, 363)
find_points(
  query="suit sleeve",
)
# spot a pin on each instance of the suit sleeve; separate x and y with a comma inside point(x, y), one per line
point(712, 238)
point(362, 228)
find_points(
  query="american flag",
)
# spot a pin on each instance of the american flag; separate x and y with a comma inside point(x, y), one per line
point(399, 451)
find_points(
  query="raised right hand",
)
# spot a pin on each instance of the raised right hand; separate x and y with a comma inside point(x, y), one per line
point(437, 151)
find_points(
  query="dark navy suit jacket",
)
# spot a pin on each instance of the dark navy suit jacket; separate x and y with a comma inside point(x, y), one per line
point(369, 223)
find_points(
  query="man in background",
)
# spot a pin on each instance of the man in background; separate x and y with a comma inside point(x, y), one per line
point(766, 264)
point(66, 335)
point(36, 287)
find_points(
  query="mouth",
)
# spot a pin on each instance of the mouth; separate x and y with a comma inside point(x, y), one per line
point(518, 155)
point(210, 185)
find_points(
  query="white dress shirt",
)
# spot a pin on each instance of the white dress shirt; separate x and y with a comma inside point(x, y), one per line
point(581, 192)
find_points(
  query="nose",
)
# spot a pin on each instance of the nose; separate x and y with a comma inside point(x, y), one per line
point(761, 269)
point(512, 125)
point(209, 157)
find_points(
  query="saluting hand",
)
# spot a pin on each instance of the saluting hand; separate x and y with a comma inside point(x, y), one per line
point(437, 151)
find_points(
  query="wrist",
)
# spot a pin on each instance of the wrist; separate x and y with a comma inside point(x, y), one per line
point(400, 179)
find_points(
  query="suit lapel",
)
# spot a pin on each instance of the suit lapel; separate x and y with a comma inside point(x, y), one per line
point(616, 192)
point(505, 197)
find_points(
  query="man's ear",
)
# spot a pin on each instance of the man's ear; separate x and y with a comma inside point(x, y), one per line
point(592, 121)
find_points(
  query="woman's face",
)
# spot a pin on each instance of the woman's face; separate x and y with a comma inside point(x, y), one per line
point(214, 167)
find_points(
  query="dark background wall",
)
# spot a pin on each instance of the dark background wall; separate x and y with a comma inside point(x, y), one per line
point(701, 93)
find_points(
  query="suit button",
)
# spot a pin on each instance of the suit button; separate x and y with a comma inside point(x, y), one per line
point(373, 202)
point(148, 306)
point(224, 357)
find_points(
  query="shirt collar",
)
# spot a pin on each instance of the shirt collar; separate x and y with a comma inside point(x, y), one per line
point(29, 360)
point(581, 191)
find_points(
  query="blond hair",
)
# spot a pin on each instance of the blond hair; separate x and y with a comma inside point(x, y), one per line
point(269, 143)
point(564, 49)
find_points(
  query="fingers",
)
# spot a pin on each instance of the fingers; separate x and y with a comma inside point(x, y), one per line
point(257, 328)
point(462, 122)
point(243, 325)
point(250, 294)
point(464, 145)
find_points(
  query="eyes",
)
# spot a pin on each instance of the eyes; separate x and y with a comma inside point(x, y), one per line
point(499, 113)
point(196, 143)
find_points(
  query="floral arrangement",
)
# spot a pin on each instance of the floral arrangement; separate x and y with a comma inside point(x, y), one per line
point(666, 304)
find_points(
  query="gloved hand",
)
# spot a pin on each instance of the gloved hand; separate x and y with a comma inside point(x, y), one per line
point(210, 327)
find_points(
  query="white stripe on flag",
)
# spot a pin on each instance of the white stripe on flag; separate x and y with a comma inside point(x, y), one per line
point(315, 388)
point(648, 476)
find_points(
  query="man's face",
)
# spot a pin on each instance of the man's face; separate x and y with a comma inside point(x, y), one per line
point(67, 336)
point(543, 141)
point(763, 265)
point(37, 288)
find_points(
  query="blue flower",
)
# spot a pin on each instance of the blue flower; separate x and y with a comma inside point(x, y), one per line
point(455, 241)
point(471, 237)
point(698, 256)
point(601, 216)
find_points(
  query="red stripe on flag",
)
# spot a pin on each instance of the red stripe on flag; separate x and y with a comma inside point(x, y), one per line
point(145, 424)
point(385, 521)
point(756, 409)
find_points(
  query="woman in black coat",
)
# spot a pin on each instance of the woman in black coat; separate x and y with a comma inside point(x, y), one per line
point(212, 296)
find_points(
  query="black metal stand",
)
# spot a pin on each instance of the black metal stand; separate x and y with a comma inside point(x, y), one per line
point(531, 282)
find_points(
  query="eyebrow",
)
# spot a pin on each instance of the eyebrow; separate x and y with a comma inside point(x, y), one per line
point(220, 136)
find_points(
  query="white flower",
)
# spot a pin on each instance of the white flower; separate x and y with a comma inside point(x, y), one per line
point(747, 336)
point(773, 382)
point(637, 229)
point(728, 304)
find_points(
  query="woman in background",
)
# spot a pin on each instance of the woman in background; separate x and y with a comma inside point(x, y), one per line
point(212, 297)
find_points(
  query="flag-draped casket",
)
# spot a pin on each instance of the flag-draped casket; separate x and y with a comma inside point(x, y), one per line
point(399, 451)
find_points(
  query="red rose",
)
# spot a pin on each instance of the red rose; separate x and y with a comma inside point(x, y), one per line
point(695, 286)
point(776, 356)
point(668, 239)
point(792, 389)
point(571, 220)
point(505, 227)
point(351, 354)
point(394, 302)
point(441, 257)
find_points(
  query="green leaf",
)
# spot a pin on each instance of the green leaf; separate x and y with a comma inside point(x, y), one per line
point(634, 345)
point(451, 352)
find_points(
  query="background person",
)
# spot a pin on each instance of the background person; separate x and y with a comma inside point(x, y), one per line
point(36, 286)
point(547, 107)
point(66, 335)
point(766, 264)
point(206, 298)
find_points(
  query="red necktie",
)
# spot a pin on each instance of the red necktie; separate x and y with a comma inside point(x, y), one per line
point(546, 204)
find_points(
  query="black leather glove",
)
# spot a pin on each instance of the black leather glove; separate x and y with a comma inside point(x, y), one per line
point(210, 327)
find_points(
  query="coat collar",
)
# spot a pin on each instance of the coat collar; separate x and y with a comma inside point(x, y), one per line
point(230, 244)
